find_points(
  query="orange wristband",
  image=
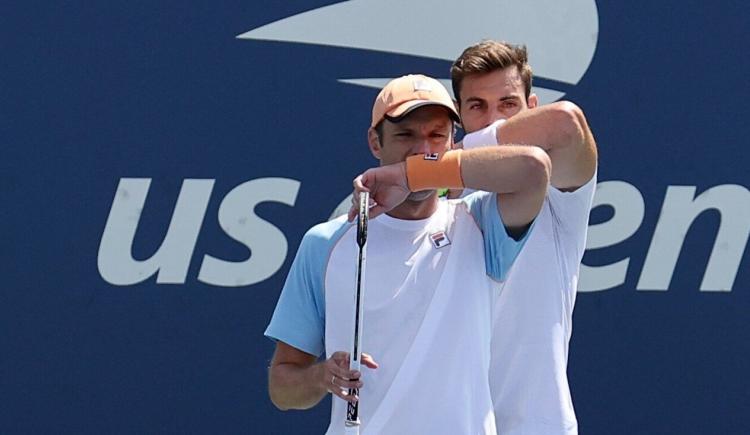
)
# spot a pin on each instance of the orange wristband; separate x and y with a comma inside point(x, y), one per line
point(434, 171)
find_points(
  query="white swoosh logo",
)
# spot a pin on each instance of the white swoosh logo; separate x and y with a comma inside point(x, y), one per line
point(561, 35)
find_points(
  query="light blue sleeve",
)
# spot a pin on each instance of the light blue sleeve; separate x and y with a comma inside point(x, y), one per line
point(299, 317)
point(500, 249)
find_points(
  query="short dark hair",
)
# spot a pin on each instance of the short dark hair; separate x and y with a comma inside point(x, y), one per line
point(488, 56)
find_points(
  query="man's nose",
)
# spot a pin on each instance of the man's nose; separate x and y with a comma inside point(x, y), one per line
point(494, 115)
point(422, 147)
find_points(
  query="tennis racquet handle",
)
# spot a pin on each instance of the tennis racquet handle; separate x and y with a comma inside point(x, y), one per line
point(352, 408)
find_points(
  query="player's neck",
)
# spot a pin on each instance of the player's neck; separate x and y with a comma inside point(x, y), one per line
point(414, 210)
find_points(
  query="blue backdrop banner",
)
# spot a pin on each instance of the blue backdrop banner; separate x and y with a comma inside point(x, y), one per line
point(162, 160)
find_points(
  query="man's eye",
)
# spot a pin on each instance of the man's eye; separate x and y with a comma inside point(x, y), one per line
point(474, 106)
point(403, 134)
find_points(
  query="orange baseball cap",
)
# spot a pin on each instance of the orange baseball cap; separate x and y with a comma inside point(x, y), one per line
point(404, 94)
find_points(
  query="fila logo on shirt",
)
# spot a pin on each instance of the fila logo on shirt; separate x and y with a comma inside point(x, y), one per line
point(440, 239)
point(432, 156)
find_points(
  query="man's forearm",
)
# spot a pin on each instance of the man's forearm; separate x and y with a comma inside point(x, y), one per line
point(294, 387)
point(506, 170)
point(518, 174)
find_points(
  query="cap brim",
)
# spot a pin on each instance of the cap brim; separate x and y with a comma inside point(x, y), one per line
point(398, 113)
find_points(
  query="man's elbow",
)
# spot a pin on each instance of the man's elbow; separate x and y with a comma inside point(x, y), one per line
point(570, 122)
point(538, 169)
point(273, 393)
point(277, 400)
point(284, 402)
point(286, 396)
point(276, 391)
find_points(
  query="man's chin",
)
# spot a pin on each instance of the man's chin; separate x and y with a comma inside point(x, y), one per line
point(420, 195)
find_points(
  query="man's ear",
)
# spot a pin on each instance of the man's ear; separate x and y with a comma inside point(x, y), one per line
point(533, 101)
point(374, 142)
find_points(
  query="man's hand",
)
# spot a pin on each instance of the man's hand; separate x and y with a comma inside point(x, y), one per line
point(298, 381)
point(336, 377)
point(387, 186)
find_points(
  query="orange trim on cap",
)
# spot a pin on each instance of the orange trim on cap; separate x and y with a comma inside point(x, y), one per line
point(434, 171)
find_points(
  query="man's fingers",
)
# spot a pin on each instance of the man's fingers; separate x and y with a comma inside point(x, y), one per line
point(368, 361)
point(354, 209)
point(359, 187)
point(340, 357)
point(344, 374)
point(339, 367)
point(344, 394)
point(347, 384)
point(341, 380)
point(359, 184)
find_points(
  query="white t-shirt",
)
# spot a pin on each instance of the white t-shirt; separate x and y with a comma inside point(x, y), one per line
point(532, 320)
point(430, 286)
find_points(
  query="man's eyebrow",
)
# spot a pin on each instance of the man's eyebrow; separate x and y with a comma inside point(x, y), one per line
point(402, 127)
point(510, 97)
point(442, 126)
point(475, 99)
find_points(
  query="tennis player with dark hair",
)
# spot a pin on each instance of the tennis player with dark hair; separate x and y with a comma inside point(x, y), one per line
point(434, 268)
point(533, 313)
